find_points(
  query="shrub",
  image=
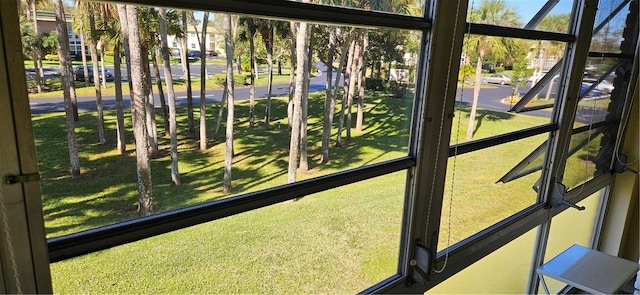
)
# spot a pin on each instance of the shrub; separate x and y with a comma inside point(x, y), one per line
point(52, 57)
point(375, 84)
point(243, 79)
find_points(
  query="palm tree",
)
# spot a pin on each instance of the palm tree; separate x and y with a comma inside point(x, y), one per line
point(138, 106)
point(249, 33)
point(89, 8)
point(203, 84)
point(301, 56)
point(228, 155)
point(69, 89)
point(187, 74)
point(329, 99)
point(166, 63)
point(494, 12)
point(37, 49)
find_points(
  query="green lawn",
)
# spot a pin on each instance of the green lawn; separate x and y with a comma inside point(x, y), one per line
point(337, 241)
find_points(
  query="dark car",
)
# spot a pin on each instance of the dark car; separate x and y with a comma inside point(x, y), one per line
point(593, 92)
point(79, 74)
point(194, 54)
point(210, 53)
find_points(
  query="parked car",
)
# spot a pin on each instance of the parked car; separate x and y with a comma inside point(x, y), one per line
point(210, 53)
point(501, 79)
point(593, 92)
point(175, 52)
point(542, 74)
point(79, 74)
point(194, 54)
point(604, 86)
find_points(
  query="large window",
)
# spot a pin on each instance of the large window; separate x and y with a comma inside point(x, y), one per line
point(376, 146)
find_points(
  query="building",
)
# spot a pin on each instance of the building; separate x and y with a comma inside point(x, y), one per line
point(586, 156)
point(47, 24)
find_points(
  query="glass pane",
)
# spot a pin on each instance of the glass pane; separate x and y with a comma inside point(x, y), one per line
point(500, 80)
point(479, 201)
point(505, 271)
point(571, 227)
point(375, 130)
point(339, 241)
point(518, 14)
point(584, 151)
point(608, 26)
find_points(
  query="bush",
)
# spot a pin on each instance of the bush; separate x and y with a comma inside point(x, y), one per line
point(375, 84)
point(243, 79)
point(52, 57)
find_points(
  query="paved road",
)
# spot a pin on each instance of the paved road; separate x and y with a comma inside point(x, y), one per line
point(490, 98)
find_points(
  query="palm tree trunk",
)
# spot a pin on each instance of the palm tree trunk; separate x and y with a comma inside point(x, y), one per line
point(347, 88)
point(304, 105)
point(223, 101)
point(149, 101)
point(352, 84)
point(121, 145)
point(329, 101)
point(187, 76)
point(163, 102)
point(292, 74)
point(37, 52)
point(96, 78)
point(269, 47)
point(138, 102)
point(69, 89)
point(362, 78)
point(203, 85)
point(301, 52)
point(83, 51)
point(173, 130)
point(124, 28)
point(228, 155)
point(252, 90)
point(476, 94)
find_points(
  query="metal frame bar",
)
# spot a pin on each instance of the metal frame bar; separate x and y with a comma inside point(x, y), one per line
point(293, 10)
point(472, 146)
point(493, 30)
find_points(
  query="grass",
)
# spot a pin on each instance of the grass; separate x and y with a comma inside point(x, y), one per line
point(338, 241)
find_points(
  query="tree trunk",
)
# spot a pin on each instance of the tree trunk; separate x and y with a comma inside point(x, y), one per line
point(362, 79)
point(353, 75)
point(163, 102)
point(476, 93)
point(145, 194)
point(102, 68)
point(223, 101)
point(252, 90)
point(37, 52)
point(148, 95)
point(301, 52)
point(124, 28)
point(203, 85)
point(228, 155)
point(347, 89)
point(69, 89)
point(304, 153)
point(329, 101)
point(269, 47)
point(96, 78)
point(292, 74)
point(121, 145)
point(173, 129)
point(85, 68)
point(187, 76)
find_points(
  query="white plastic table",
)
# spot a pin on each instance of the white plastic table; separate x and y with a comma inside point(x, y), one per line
point(589, 270)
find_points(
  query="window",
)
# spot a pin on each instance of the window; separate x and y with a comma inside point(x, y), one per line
point(416, 166)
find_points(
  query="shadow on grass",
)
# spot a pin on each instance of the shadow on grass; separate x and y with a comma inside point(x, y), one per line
point(107, 190)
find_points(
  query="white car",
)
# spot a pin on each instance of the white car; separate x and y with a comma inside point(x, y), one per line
point(501, 79)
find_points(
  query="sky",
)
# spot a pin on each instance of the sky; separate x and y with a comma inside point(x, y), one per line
point(528, 8)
